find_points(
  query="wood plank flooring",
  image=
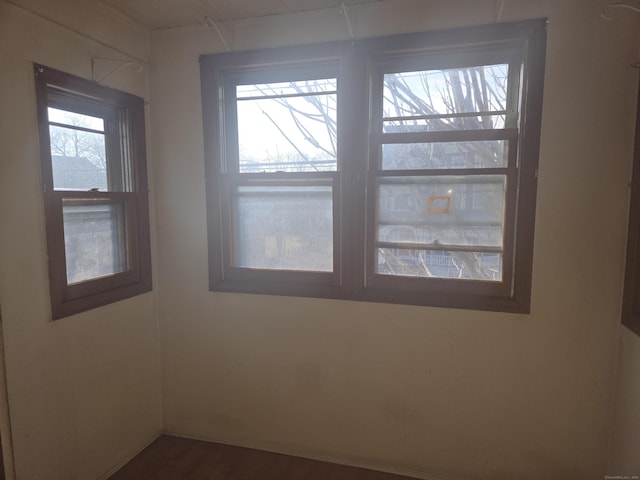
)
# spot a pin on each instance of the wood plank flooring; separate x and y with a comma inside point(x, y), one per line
point(173, 458)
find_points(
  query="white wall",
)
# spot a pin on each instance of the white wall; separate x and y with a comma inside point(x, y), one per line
point(474, 395)
point(84, 391)
point(626, 425)
point(625, 441)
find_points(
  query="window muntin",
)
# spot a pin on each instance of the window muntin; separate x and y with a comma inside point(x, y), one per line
point(95, 192)
point(401, 168)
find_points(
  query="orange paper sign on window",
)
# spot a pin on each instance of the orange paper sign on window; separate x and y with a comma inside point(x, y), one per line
point(439, 204)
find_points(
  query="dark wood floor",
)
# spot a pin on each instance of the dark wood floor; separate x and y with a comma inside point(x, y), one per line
point(172, 458)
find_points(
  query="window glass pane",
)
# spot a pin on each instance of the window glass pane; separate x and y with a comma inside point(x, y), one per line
point(484, 122)
point(284, 228)
point(408, 156)
point(443, 210)
point(78, 159)
point(286, 127)
point(73, 119)
point(439, 264)
point(466, 98)
point(94, 240)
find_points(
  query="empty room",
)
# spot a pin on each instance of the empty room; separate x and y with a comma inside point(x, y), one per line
point(306, 239)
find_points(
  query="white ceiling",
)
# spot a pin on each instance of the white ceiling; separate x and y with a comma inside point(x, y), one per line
point(158, 14)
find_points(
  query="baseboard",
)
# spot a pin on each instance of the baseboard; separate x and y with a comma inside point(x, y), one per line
point(127, 458)
point(297, 451)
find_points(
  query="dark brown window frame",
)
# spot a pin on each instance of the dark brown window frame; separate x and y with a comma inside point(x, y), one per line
point(631, 296)
point(357, 63)
point(125, 114)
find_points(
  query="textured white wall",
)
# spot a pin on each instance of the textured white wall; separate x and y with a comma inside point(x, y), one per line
point(83, 391)
point(469, 394)
point(626, 425)
point(625, 442)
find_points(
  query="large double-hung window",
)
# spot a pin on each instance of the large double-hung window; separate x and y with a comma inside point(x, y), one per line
point(397, 169)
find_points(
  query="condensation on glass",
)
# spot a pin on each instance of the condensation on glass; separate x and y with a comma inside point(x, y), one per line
point(284, 228)
point(287, 127)
point(422, 219)
point(94, 239)
point(444, 155)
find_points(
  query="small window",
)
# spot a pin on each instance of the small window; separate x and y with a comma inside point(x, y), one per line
point(396, 169)
point(95, 192)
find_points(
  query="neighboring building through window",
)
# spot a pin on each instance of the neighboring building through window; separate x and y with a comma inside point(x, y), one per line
point(95, 192)
point(397, 169)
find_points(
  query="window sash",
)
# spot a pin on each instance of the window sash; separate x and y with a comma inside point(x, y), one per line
point(378, 282)
point(229, 185)
point(112, 252)
point(378, 137)
point(230, 178)
point(73, 291)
